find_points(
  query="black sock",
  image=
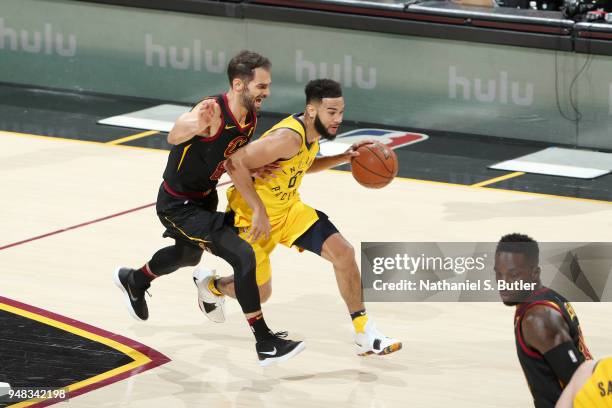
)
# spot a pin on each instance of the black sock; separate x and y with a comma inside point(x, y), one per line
point(358, 313)
point(259, 327)
point(142, 277)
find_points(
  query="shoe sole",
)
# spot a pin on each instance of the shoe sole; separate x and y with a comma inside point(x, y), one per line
point(387, 350)
point(222, 320)
point(271, 361)
point(126, 295)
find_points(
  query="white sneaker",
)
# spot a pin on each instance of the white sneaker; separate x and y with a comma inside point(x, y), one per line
point(371, 341)
point(210, 304)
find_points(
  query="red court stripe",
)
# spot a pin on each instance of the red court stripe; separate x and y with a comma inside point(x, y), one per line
point(59, 231)
point(156, 357)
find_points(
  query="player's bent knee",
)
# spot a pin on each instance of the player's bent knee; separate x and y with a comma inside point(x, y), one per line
point(191, 256)
point(242, 260)
point(248, 258)
point(245, 267)
point(345, 255)
point(334, 248)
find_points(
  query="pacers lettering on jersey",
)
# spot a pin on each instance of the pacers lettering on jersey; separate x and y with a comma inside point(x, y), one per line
point(280, 192)
point(296, 173)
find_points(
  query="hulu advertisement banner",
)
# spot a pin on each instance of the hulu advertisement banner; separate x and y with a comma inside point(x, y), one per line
point(388, 79)
point(117, 50)
point(427, 83)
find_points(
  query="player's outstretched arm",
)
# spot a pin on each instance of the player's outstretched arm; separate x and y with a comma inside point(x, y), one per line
point(281, 144)
point(327, 162)
point(204, 120)
point(580, 377)
point(545, 330)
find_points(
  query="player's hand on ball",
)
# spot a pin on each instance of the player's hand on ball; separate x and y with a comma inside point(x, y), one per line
point(375, 165)
point(352, 151)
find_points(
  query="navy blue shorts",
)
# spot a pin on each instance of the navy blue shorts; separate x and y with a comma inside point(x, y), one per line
point(314, 237)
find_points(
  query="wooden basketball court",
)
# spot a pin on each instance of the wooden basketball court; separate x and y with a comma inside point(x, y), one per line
point(455, 354)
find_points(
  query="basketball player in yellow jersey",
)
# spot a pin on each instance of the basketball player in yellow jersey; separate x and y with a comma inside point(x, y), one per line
point(590, 386)
point(271, 212)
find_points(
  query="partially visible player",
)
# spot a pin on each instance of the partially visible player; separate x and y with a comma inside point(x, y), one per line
point(270, 212)
point(590, 386)
point(548, 337)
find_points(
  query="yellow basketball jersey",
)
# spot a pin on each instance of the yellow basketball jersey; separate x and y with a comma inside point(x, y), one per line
point(597, 391)
point(278, 194)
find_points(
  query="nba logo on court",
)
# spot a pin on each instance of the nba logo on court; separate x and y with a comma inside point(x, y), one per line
point(392, 138)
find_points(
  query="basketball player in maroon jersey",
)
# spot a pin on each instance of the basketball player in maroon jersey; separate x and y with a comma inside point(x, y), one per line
point(187, 201)
point(547, 333)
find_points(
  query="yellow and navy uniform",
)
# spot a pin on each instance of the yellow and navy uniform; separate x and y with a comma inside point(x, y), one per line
point(289, 216)
point(597, 391)
point(544, 385)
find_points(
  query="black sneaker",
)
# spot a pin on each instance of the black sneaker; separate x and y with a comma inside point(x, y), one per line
point(134, 297)
point(277, 349)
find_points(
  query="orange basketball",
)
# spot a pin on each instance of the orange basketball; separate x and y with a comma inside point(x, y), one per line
point(375, 166)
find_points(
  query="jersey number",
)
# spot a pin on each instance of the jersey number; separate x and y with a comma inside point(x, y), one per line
point(293, 179)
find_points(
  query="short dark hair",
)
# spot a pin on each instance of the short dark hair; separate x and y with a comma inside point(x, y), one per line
point(244, 64)
point(520, 244)
point(318, 89)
